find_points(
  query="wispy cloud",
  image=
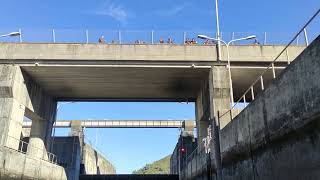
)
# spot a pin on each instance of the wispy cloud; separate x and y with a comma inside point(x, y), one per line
point(174, 10)
point(113, 10)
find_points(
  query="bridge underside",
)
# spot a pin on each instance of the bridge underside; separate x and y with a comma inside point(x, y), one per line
point(134, 83)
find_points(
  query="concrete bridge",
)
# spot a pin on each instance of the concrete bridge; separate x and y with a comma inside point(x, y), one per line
point(34, 77)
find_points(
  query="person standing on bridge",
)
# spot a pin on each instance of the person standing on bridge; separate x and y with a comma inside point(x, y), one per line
point(161, 41)
point(102, 40)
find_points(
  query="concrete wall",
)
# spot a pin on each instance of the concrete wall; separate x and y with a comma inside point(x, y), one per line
point(94, 162)
point(69, 153)
point(278, 135)
point(20, 96)
point(178, 158)
point(38, 51)
point(19, 166)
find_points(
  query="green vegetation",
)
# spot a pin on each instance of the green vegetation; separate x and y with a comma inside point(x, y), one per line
point(161, 166)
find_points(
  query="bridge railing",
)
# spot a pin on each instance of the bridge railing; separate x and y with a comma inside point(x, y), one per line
point(23, 148)
point(259, 84)
point(88, 36)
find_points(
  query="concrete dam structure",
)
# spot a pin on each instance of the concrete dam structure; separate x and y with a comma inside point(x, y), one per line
point(256, 144)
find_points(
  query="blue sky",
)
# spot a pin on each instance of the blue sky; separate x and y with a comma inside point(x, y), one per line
point(244, 15)
point(37, 17)
point(130, 149)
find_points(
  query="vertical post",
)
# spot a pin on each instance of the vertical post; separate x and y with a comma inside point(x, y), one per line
point(262, 85)
point(273, 71)
point(265, 38)
point(53, 36)
point(119, 37)
point(184, 37)
point(218, 30)
point(20, 36)
point(287, 54)
point(252, 93)
point(152, 40)
point(244, 101)
point(87, 36)
point(298, 39)
point(232, 38)
point(306, 37)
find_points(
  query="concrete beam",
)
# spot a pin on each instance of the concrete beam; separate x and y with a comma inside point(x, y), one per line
point(121, 124)
point(97, 52)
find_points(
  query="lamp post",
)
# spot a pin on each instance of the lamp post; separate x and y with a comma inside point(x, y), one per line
point(218, 30)
point(228, 56)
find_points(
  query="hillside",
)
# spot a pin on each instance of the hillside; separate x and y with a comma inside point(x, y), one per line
point(161, 166)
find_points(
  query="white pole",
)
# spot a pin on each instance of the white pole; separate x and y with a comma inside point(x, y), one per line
point(218, 31)
point(306, 36)
point(20, 35)
point(152, 37)
point(119, 37)
point(87, 36)
point(53, 36)
point(230, 78)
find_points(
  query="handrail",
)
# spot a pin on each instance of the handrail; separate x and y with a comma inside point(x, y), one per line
point(303, 29)
point(23, 146)
point(137, 37)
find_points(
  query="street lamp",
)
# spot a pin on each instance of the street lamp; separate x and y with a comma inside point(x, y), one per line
point(228, 56)
point(11, 34)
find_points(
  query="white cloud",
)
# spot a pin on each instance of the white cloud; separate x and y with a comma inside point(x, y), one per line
point(113, 10)
point(175, 10)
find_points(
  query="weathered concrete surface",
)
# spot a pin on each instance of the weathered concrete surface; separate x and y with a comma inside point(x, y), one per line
point(19, 97)
point(19, 166)
point(153, 72)
point(39, 51)
point(95, 163)
point(278, 135)
point(213, 97)
point(68, 151)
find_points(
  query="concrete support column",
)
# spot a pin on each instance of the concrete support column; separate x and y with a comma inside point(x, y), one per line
point(36, 147)
point(219, 101)
point(214, 96)
point(12, 108)
point(19, 97)
point(42, 117)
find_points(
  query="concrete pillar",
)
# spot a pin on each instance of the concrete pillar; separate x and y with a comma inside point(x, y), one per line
point(214, 96)
point(36, 147)
point(219, 101)
point(19, 97)
point(12, 107)
point(42, 117)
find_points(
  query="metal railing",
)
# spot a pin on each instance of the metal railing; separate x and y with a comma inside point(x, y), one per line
point(251, 92)
point(23, 148)
point(86, 36)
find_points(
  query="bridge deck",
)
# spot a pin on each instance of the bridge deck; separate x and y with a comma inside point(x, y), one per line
point(117, 124)
point(136, 72)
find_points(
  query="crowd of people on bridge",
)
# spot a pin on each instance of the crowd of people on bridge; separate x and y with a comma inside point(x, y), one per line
point(188, 41)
